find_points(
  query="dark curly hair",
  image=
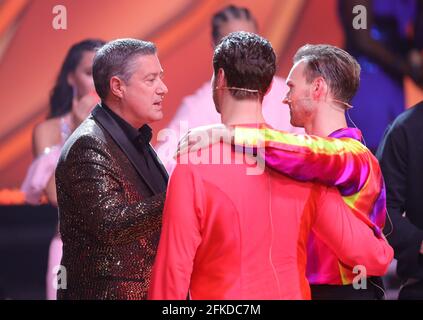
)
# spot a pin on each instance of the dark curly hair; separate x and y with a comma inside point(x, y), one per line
point(248, 61)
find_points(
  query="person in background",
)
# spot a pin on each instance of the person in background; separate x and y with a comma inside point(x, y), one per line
point(389, 49)
point(401, 158)
point(72, 99)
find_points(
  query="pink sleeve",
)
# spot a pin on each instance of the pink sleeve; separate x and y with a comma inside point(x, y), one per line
point(180, 237)
point(38, 175)
point(353, 242)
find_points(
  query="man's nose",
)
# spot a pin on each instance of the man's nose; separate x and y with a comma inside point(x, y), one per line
point(163, 88)
point(286, 100)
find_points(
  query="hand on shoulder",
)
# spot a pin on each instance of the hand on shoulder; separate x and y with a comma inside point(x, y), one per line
point(202, 137)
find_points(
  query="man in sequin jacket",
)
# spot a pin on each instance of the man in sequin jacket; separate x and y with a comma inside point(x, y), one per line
point(110, 184)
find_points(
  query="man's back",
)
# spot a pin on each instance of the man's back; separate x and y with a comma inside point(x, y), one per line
point(228, 234)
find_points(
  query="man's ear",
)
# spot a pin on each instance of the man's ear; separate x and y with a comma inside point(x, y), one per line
point(221, 78)
point(117, 86)
point(319, 88)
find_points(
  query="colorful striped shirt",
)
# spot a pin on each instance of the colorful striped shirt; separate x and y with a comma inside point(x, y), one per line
point(339, 160)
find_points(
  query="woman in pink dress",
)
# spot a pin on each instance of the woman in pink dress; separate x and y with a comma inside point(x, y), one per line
point(72, 99)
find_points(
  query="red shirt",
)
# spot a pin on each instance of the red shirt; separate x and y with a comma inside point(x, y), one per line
point(230, 235)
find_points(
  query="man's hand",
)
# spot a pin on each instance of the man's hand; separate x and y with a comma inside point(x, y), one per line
point(204, 136)
point(421, 248)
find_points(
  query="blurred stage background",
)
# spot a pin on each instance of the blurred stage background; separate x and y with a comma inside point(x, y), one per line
point(31, 52)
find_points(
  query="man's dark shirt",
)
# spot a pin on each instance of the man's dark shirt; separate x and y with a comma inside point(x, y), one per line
point(141, 140)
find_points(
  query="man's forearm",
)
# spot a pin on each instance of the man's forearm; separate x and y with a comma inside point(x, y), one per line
point(335, 162)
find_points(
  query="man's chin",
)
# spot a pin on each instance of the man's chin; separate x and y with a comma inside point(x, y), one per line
point(293, 123)
point(158, 115)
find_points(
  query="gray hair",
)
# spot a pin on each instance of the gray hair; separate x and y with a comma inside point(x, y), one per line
point(116, 58)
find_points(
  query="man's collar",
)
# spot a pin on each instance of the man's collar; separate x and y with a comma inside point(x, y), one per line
point(145, 133)
point(142, 135)
point(353, 133)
